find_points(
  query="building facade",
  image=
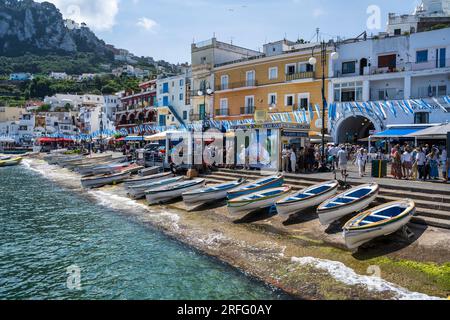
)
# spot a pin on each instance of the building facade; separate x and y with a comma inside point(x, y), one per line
point(173, 99)
point(280, 81)
point(393, 68)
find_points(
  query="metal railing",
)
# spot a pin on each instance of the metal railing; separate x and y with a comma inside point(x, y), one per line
point(199, 117)
point(248, 110)
point(222, 112)
point(237, 85)
point(300, 76)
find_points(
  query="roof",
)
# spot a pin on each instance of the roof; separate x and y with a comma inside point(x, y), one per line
point(398, 132)
point(134, 138)
point(433, 132)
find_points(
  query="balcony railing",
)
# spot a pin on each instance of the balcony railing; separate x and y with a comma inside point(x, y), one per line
point(248, 110)
point(237, 85)
point(199, 117)
point(300, 76)
point(222, 112)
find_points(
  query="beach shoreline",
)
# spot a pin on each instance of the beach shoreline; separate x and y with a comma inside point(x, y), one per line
point(299, 258)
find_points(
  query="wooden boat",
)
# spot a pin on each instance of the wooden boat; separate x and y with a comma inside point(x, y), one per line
point(102, 169)
point(258, 200)
point(210, 194)
point(351, 201)
point(72, 163)
point(262, 184)
point(55, 159)
point(154, 178)
point(307, 198)
point(10, 162)
point(149, 171)
point(4, 158)
point(138, 192)
point(174, 191)
point(380, 221)
point(103, 180)
point(88, 168)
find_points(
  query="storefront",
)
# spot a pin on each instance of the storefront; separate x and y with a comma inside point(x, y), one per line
point(265, 142)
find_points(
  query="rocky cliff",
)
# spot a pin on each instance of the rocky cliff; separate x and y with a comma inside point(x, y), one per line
point(30, 27)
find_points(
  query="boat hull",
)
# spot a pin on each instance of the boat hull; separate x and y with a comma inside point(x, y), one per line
point(10, 163)
point(161, 197)
point(199, 198)
point(247, 206)
point(297, 206)
point(138, 192)
point(327, 217)
point(242, 192)
point(149, 179)
point(103, 181)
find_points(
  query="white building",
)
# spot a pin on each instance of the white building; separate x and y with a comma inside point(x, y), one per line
point(426, 15)
point(173, 100)
point(392, 68)
point(59, 76)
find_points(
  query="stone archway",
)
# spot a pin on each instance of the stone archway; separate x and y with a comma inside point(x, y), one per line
point(354, 128)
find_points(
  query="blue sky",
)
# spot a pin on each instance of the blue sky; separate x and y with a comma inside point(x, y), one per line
point(165, 29)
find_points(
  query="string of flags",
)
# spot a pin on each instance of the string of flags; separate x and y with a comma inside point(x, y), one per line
point(380, 109)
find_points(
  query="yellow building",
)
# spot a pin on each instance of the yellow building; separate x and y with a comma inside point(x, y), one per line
point(281, 80)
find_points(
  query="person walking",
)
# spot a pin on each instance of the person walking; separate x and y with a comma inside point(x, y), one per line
point(342, 156)
point(293, 161)
point(407, 163)
point(285, 159)
point(396, 163)
point(434, 165)
point(421, 160)
point(361, 159)
point(443, 162)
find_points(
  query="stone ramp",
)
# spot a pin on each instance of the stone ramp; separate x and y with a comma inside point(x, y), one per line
point(433, 204)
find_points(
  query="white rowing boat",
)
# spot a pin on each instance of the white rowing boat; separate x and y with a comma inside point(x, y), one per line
point(260, 185)
point(153, 178)
point(210, 194)
point(307, 198)
point(138, 192)
point(259, 200)
point(174, 191)
point(103, 180)
point(377, 222)
point(351, 201)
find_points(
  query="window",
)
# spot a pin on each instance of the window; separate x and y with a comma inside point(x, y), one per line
point(224, 82)
point(272, 99)
point(387, 61)
point(185, 114)
point(289, 100)
point(165, 87)
point(348, 67)
point(173, 83)
point(421, 118)
point(181, 97)
point(303, 100)
point(306, 67)
point(290, 69)
point(397, 32)
point(441, 58)
point(181, 82)
point(223, 107)
point(273, 73)
point(250, 77)
point(422, 56)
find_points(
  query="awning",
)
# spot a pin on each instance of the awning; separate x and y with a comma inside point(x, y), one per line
point(397, 132)
point(160, 136)
point(134, 138)
point(7, 140)
point(52, 140)
point(438, 132)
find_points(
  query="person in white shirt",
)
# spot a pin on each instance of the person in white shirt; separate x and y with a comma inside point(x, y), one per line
point(407, 163)
point(421, 159)
point(443, 161)
point(293, 161)
point(361, 160)
point(342, 157)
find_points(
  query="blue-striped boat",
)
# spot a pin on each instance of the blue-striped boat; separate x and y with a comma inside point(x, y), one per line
point(380, 221)
point(210, 194)
point(307, 198)
point(260, 185)
point(258, 200)
point(351, 201)
point(173, 191)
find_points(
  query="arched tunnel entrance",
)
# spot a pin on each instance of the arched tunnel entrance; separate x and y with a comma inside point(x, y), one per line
point(353, 129)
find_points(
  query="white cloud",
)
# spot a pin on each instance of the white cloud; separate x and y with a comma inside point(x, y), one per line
point(147, 24)
point(99, 15)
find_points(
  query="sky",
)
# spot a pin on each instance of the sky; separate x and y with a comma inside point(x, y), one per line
point(165, 29)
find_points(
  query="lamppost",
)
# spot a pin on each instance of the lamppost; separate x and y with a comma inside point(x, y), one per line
point(204, 92)
point(101, 132)
point(313, 61)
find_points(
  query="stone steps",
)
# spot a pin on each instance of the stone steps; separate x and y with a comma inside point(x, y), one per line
point(432, 209)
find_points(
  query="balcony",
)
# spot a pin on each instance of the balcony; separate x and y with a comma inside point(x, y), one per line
point(247, 110)
point(237, 85)
point(300, 76)
point(199, 117)
point(222, 112)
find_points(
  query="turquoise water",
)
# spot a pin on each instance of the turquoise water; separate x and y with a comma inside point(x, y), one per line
point(46, 229)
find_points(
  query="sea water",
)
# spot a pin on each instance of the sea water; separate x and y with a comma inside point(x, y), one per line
point(57, 244)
